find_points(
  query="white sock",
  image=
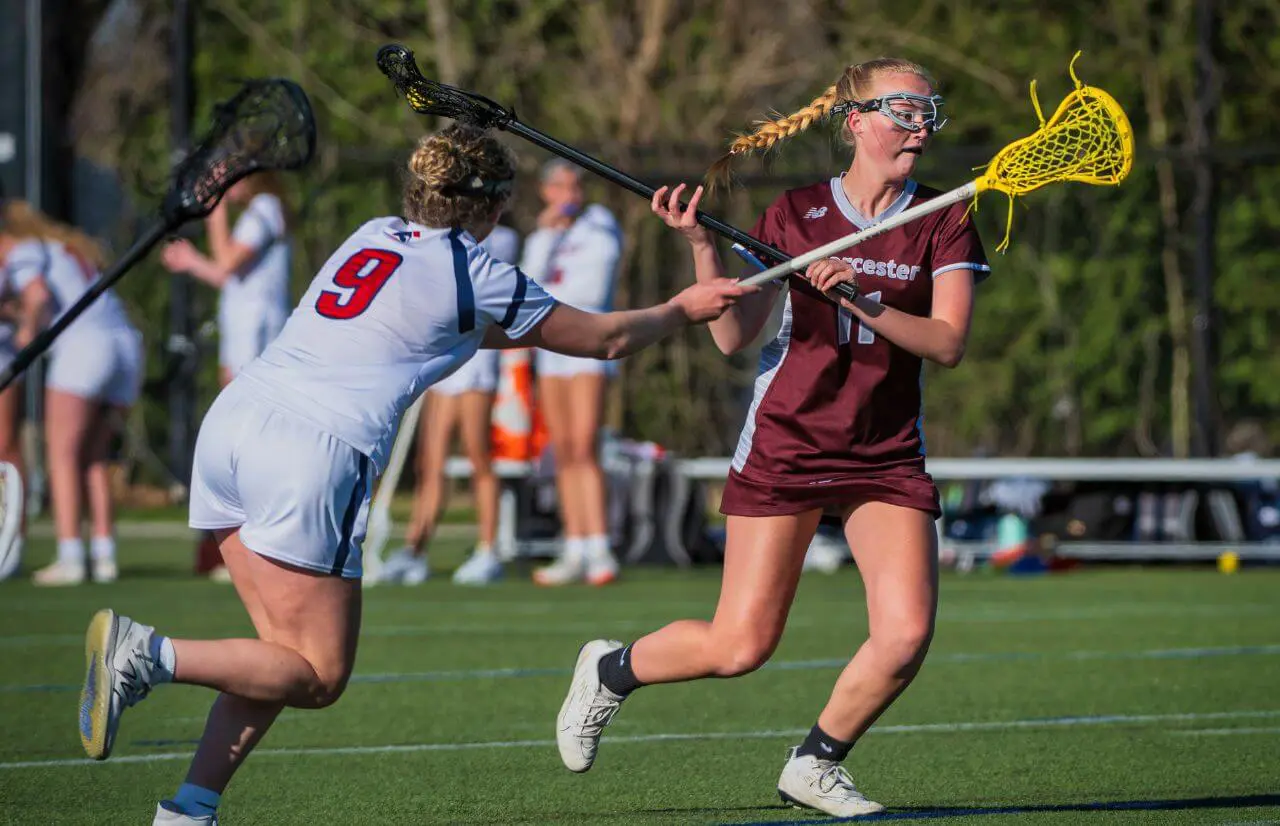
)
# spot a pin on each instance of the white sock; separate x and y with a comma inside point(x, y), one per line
point(196, 801)
point(598, 546)
point(161, 653)
point(103, 548)
point(575, 548)
point(71, 551)
point(484, 549)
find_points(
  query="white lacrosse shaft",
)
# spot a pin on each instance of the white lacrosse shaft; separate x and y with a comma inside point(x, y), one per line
point(798, 263)
point(379, 530)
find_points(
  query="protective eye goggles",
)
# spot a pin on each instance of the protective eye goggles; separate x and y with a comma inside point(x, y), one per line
point(910, 111)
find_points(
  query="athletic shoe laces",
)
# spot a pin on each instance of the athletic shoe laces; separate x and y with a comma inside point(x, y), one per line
point(599, 713)
point(835, 776)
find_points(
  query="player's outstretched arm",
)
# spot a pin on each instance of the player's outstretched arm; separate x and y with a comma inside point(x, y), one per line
point(740, 325)
point(614, 335)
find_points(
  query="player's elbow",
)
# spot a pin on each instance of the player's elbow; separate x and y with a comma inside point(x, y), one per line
point(950, 355)
point(728, 341)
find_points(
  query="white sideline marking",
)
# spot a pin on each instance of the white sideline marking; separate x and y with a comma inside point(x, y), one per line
point(1196, 732)
point(921, 728)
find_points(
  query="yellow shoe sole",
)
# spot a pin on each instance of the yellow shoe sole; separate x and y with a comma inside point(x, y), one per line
point(95, 695)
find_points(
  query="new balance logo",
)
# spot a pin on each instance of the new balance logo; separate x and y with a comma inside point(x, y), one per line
point(815, 213)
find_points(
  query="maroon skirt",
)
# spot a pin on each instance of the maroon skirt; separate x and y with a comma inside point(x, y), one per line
point(752, 497)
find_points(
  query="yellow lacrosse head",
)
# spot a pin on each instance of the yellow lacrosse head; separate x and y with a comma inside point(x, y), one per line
point(1088, 139)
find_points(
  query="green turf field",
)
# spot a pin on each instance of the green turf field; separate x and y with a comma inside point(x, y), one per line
point(1121, 695)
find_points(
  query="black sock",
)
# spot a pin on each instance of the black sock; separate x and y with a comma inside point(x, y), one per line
point(823, 746)
point(616, 674)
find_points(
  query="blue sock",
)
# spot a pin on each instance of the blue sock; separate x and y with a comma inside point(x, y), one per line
point(196, 801)
point(161, 653)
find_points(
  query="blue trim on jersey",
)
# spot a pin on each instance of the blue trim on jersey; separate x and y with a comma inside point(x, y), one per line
point(349, 516)
point(517, 300)
point(462, 276)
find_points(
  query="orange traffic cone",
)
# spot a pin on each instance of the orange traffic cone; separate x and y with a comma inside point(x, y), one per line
point(515, 424)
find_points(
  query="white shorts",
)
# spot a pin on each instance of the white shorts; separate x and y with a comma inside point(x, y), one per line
point(244, 332)
point(479, 374)
point(299, 495)
point(557, 365)
point(95, 363)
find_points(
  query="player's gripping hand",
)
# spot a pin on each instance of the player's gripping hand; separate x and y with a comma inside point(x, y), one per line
point(708, 300)
point(685, 221)
point(825, 274)
point(180, 256)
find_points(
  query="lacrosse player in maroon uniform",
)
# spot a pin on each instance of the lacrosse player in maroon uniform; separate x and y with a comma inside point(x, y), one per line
point(834, 427)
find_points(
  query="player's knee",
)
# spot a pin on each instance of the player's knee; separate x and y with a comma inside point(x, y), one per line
point(904, 645)
point(579, 453)
point(328, 691)
point(326, 686)
point(742, 655)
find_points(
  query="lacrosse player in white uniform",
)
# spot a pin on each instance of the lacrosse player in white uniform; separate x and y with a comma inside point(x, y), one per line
point(574, 255)
point(249, 266)
point(95, 373)
point(287, 454)
point(464, 399)
point(24, 311)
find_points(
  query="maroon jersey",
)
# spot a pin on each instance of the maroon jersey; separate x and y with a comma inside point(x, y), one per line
point(835, 404)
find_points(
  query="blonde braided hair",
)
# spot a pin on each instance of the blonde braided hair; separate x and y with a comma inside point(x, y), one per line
point(854, 85)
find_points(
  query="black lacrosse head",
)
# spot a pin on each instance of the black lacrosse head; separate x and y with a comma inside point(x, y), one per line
point(266, 125)
point(428, 97)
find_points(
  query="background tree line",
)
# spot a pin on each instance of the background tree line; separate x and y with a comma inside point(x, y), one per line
point(1081, 338)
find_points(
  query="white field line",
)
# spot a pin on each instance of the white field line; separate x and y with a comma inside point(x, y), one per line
point(924, 728)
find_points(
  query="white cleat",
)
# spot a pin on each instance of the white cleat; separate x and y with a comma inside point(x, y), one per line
point(563, 571)
point(168, 815)
point(119, 673)
point(587, 709)
point(416, 572)
point(104, 571)
point(59, 574)
point(826, 554)
point(602, 567)
point(404, 567)
point(479, 569)
point(824, 785)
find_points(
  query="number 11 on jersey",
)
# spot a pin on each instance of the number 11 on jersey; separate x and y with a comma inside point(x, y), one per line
point(865, 334)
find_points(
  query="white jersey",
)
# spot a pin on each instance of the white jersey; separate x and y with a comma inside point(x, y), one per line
point(262, 286)
point(578, 265)
point(396, 308)
point(68, 277)
point(503, 244)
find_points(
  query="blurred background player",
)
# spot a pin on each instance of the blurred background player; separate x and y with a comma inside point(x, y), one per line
point(22, 314)
point(834, 427)
point(94, 377)
point(287, 454)
point(465, 400)
point(574, 254)
point(249, 266)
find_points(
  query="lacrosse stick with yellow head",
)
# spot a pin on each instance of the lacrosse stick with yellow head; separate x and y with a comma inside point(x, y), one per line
point(1088, 140)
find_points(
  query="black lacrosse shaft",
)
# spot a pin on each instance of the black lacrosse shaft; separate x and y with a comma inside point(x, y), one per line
point(42, 342)
point(624, 180)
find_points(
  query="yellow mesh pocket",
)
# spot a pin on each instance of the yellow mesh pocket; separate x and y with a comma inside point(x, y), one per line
point(1088, 139)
